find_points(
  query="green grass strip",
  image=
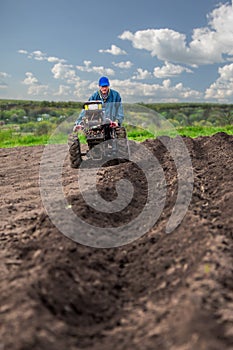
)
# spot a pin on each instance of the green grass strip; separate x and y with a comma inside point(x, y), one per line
point(10, 138)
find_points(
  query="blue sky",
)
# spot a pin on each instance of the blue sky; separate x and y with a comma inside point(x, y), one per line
point(152, 51)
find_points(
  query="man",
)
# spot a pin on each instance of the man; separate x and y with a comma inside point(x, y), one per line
point(111, 100)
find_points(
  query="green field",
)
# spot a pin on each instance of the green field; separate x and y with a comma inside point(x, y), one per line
point(28, 123)
point(11, 138)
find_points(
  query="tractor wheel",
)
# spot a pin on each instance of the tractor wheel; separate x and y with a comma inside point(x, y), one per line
point(123, 147)
point(75, 154)
point(121, 133)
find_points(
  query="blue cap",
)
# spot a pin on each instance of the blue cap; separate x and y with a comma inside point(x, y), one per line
point(104, 81)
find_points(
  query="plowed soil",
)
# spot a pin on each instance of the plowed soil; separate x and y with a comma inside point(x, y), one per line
point(163, 291)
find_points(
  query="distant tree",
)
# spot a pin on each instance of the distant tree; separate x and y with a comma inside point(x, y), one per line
point(43, 128)
point(28, 127)
point(227, 116)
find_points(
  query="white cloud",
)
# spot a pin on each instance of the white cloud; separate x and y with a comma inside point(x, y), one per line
point(222, 88)
point(103, 71)
point(96, 69)
point(226, 72)
point(115, 50)
point(34, 87)
point(169, 70)
point(64, 72)
point(167, 84)
point(63, 90)
point(221, 20)
point(41, 56)
point(37, 90)
point(38, 55)
point(142, 74)
point(123, 65)
point(55, 59)
point(163, 43)
point(86, 67)
point(83, 89)
point(208, 44)
point(24, 52)
point(132, 91)
point(30, 79)
point(3, 76)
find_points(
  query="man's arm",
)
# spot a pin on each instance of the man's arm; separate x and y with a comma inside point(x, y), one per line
point(81, 115)
point(119, 113)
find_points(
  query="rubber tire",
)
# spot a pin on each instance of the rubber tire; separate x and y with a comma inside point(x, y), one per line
point(121, 133)
point(75, 154)
point(123, 148)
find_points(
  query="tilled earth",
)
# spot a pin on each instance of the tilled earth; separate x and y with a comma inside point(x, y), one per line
point(162, 291)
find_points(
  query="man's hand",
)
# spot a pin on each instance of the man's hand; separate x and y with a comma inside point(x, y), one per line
point(77, 128)
point(114, 124)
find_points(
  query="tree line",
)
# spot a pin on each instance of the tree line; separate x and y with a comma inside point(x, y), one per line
point(179, 114)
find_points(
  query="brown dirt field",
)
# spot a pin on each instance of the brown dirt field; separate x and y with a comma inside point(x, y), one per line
point(163, 291)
